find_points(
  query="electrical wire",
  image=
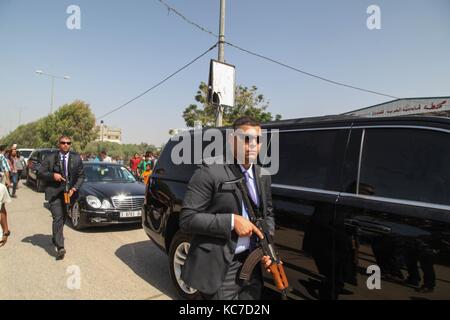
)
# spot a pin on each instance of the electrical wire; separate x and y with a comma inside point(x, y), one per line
point(159, 83)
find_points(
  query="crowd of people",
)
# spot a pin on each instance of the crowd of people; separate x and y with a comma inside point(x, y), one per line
point(141, 165)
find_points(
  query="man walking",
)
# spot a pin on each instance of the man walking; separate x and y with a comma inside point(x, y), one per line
point(4, 167)
point(215, 214)
point(58, 169)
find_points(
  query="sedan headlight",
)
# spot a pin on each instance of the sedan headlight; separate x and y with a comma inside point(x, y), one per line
point(94, 202)
point(106, 204)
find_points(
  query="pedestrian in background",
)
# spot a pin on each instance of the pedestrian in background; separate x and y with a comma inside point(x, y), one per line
point(4, 167)
point(21, 165)
point(134, 163)
point(104, 157)
point(14, 173)
point(143, 164)
point(4, 199)
point(147, 173)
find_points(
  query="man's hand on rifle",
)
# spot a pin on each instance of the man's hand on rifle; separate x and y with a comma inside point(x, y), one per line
point(58, 177)
point(266, 262)
point(244, 228)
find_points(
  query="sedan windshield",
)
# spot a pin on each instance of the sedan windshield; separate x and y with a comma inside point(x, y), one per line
point(107, 173)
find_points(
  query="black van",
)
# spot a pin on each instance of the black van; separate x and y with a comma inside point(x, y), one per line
point(362, 208)
point(33, 165)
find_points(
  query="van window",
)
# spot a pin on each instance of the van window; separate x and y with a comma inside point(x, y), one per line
point(408, 164)
point(312, 159)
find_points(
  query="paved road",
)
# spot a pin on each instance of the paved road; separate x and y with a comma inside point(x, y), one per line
point(117, 262)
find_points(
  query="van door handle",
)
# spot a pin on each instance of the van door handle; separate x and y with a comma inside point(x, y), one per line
point(368, 226)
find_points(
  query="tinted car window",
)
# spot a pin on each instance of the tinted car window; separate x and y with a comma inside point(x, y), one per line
point(166, 168)
point(34, 155)
point(107, 173)
point(312, 158)
point(43, 154)
point(409, 164)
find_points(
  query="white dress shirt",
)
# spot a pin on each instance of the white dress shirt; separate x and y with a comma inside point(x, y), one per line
point(244, 242)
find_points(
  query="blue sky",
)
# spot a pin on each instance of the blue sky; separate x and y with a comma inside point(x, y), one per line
point(125, 47)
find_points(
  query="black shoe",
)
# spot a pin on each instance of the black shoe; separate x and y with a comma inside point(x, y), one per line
point(412, 283)
point(424, 289)
point(60, 254)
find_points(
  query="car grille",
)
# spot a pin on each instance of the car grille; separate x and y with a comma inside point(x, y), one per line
point(129, 203)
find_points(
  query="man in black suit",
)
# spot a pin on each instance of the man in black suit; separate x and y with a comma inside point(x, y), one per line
point(214, 213)
point(56, 170)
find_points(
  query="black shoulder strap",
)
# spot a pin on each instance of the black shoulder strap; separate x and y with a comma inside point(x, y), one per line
point(252, 211)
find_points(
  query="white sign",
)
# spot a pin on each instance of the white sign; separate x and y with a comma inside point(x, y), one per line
point(221, 82)
point(403, 107)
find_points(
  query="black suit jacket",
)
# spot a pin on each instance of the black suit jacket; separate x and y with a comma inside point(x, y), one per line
point(52, 164)
point(206, 214)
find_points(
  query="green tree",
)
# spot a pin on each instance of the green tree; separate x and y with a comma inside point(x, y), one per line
point(248, 102)
point(75, 120)
point(26, 136)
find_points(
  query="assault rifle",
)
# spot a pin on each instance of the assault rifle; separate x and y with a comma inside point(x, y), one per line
point(265, 247)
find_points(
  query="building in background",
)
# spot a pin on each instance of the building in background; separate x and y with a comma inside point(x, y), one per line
point(432, 106)
point(109, 134)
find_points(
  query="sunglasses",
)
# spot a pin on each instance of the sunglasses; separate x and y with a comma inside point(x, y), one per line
point(248, 138)
point(65, 142)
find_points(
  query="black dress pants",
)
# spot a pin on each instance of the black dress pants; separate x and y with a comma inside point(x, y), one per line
point(234, 288)
point(58, 210)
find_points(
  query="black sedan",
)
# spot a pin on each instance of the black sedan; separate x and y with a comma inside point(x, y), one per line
point(110, 194)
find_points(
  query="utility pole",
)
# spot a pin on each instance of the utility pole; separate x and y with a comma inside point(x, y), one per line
point(221, 55)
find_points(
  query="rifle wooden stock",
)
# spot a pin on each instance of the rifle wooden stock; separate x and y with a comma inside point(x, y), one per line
point(66, 198)
point(279, 277)
point(277, 269)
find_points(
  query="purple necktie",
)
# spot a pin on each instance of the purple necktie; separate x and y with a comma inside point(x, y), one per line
point(251, 188)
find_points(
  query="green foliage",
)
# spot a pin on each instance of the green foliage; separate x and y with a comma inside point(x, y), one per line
point(248, 102)
point(26, 136)
point(75, 120)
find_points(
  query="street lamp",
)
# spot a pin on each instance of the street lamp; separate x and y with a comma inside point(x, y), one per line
point(101, 127)
point(42, 73)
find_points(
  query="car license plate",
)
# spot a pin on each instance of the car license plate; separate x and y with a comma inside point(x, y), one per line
point(130, 214)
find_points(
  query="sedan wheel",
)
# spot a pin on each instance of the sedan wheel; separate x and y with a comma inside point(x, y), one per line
point(77, 217)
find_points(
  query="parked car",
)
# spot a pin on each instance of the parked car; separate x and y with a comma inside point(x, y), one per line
point(33, 164)
point(25, 153)
point(109, 195)
point(362, 208)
